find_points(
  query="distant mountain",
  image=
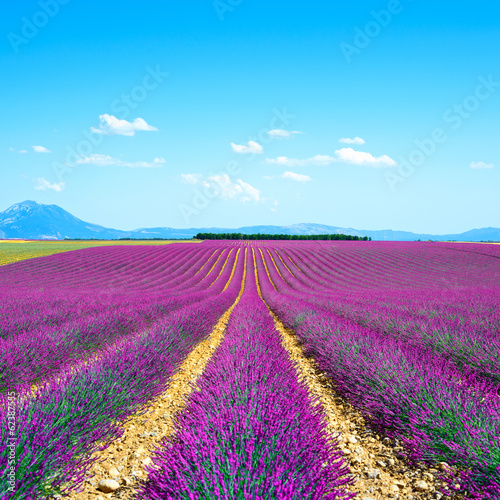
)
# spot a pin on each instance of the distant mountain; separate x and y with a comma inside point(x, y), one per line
point(32, 220)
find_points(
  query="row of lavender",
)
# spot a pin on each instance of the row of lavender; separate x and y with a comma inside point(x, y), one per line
point(370, 265)
point(460, 323)
point(29, 300)
point(36, 349)
point(250, 430)
point(53, 433)
point(442, 407)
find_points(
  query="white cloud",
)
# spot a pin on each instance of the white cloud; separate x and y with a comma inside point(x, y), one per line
point(191, 178)
point(42, 184)
point(251, 147)
point(248, 192)
point(108, 161)
point(227, 189)
point(348, 155)
point(110, 125)
point(21, 151)
point(480, 164)
point(279, 133)
point(345, 155)
point(40, 149)
point(295, 177)
point(222, 186)
point(356, 140)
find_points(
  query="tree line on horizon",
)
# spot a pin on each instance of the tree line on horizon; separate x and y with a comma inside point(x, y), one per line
point(307, 237)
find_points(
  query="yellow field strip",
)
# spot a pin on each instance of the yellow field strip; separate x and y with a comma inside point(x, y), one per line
point(16, 250)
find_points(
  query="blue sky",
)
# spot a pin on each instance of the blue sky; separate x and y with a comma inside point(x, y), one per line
point(365, 114)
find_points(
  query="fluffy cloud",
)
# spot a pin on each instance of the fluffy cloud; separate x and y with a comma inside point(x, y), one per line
point(296, 177)
point(348, 155)
point(356, 140)
point(222, 186)
point(110, 125)
point(480, 164)
point(251, 147)
point(108, 161)
point(344, 155)
point(40, 149)
point(42, 184)
point(279, 133)
point(21, 151)
point(227, 189)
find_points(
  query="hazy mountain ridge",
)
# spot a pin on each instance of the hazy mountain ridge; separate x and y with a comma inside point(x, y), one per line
point(32, 220)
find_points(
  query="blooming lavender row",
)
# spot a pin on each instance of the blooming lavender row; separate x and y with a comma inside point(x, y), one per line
point(99, 266)
point(440, 412)
point(36, 355)
point(459, 324)
point(52, 298)
point(57, 430)
point(250, 431)
point(370, 265)
point(38, 300)
point(28, 308)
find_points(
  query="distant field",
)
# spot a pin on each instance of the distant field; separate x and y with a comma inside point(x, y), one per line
point(13, 251)
point(17, 250)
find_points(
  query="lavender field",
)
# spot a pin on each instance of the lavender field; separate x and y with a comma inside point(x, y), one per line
point(252, 370)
